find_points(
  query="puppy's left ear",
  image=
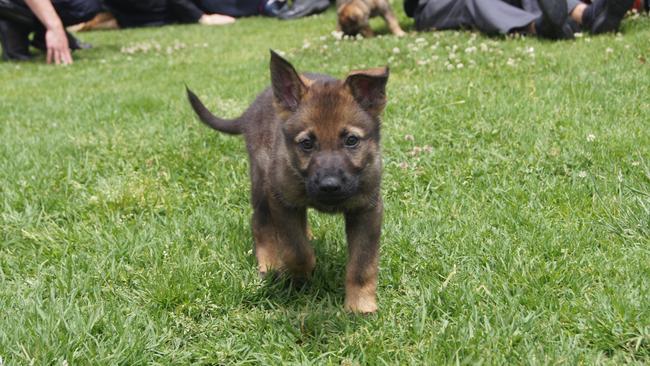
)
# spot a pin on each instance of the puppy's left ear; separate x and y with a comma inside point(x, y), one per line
point(368, 87)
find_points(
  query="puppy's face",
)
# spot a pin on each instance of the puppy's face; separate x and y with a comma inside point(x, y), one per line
point(331, 130)
point(352, 19)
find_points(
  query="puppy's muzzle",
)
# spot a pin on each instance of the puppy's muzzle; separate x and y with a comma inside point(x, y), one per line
point(330, 189)
point(330, 185)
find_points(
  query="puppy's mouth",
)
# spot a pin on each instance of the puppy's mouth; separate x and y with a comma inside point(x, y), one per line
point(331, 199)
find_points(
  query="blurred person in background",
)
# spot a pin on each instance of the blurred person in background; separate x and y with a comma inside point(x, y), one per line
point(553, 19)
point(46, 21)
point(128, 13)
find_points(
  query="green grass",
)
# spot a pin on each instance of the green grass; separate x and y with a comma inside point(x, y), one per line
point(521, 235)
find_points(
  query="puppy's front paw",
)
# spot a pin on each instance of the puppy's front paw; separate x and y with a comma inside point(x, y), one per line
point(400, 33)
point(361, 304)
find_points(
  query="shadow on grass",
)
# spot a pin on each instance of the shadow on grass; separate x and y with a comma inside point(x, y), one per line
point(324, 289)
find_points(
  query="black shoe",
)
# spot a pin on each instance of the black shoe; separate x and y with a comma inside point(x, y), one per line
point(553, 23)
point(608, 19)
point(275, 8)
point(575, 27)
point(38, 41)
point(15, 44)
point(303, 8)
point(76, 44)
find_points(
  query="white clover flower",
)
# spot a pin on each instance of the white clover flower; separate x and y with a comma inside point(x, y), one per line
point(337, 35)
point(582, 174)
point(591, 137)
point(460, 65)
point(511, 62)
point(416, 151)
point(396, 50)
point(609, 50)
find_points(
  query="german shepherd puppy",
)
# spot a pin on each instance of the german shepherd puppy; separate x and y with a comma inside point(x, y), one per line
point(313, 141)
point(354, 16)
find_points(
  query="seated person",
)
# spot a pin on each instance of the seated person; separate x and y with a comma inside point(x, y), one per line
point(46, 19)
point(272, 8)
point(553, 19)
point(128, 13)
point(144, 13)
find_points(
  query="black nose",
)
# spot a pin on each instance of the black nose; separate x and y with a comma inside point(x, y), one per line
point(329, 185)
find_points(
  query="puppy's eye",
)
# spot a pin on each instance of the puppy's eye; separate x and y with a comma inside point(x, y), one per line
point(306, 144)
point(351, 141)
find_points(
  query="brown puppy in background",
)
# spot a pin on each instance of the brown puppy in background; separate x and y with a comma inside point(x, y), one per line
point(354, 16)
point(313, 141)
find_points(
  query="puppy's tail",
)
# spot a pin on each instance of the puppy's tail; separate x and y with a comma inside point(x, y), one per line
point(229, 126)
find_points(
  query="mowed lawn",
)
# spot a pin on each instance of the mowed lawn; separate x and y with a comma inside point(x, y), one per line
point(516, 187)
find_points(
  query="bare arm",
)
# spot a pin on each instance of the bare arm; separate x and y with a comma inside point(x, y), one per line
point(58, 50)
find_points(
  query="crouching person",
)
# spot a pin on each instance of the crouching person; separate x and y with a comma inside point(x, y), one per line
point(46, 20)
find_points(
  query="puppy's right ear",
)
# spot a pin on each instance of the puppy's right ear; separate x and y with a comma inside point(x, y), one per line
point(288, 88)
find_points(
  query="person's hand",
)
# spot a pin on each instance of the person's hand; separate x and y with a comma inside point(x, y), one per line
point(216, 19)
point(58, 50)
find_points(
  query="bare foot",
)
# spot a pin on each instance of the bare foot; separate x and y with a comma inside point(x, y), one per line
point(216, 19)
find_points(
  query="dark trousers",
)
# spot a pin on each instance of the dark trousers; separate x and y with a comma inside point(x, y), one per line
point(234, 8)
point(488, 16)
point(70, 11)
point(140, 13)
point(132, 13)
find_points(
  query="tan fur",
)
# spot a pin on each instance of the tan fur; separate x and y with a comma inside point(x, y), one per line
point(354, 15)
